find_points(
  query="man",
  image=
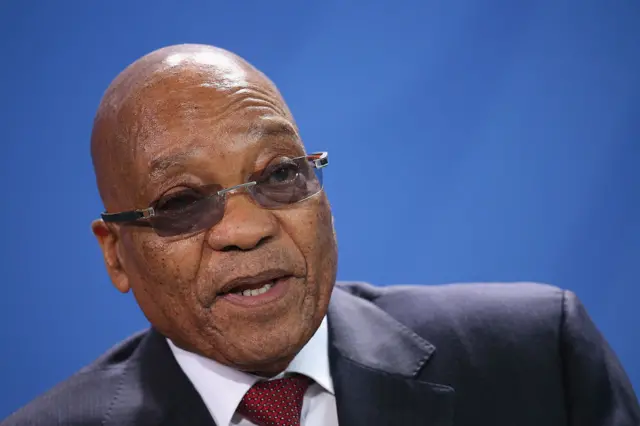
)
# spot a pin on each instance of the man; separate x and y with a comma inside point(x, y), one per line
point(216, 220)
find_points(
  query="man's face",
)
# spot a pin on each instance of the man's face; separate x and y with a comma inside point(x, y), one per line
point(190, 130)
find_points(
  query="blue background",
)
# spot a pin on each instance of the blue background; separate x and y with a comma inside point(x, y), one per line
point(493, 140)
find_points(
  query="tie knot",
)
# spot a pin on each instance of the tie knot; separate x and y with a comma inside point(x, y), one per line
point(275, 402)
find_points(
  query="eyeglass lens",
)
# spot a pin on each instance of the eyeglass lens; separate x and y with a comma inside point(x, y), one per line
point(193, 210)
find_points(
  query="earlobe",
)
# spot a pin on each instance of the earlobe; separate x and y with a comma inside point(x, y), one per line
point(109, 242)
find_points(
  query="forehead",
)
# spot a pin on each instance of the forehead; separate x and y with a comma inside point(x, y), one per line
point(186, 113)
point(267, 134)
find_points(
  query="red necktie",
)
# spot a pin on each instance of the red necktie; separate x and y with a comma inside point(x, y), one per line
point(275, 402)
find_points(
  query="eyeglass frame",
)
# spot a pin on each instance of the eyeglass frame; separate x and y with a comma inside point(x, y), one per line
point(320, 162)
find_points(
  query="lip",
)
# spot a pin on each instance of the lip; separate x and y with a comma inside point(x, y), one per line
point(261, 278)
point(280, 288)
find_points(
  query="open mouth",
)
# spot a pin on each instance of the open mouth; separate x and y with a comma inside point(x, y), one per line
point(261, 288)
point(252, 290)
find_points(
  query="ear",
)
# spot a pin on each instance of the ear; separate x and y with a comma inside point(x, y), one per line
point(109, 241)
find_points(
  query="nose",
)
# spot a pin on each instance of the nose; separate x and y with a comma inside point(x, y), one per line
point(244, 226)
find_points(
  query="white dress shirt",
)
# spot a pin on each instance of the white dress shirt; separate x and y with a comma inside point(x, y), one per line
point(222, 388)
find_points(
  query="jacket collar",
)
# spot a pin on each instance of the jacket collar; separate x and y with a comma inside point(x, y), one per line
point(375, 364)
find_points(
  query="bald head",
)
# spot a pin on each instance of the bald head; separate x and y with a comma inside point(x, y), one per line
point(156, 91)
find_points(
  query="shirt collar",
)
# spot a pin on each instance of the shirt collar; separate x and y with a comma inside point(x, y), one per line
point(222, 388)
point(313, 359)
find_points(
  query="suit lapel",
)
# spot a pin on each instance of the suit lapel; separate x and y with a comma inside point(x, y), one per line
point(155, 392)
point(375, 362)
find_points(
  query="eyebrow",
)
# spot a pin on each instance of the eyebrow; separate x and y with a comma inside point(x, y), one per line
point(162, 164)
point(272, 128)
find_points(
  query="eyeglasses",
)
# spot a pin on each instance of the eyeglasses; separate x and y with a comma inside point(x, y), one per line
point(191, 210)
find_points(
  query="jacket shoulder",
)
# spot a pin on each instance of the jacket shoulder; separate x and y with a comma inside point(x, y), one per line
point(478, 298)
point(84, 398)
point(472, 314)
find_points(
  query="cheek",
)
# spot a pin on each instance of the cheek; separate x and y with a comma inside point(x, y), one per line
point(164, 268)
point(311, 229)
point(327, 248)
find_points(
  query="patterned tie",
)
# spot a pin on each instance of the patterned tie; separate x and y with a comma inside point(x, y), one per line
point(275, 402)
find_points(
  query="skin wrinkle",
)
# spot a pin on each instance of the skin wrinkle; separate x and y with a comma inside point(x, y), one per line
point(245, 95)
point(222, 121)
point(216, 116)
point(275, 129)
point(179, 174)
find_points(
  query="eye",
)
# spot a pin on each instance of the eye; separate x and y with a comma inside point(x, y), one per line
point(282, 173)
point(178, 201)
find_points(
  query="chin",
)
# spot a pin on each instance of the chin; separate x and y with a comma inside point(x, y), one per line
point(266, 367)
point(268, 361)
point(268, 350)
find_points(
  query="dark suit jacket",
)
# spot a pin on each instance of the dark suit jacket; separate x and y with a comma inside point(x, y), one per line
point(484, 354)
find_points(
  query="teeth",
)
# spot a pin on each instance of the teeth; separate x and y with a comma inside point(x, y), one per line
point(257, 291)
